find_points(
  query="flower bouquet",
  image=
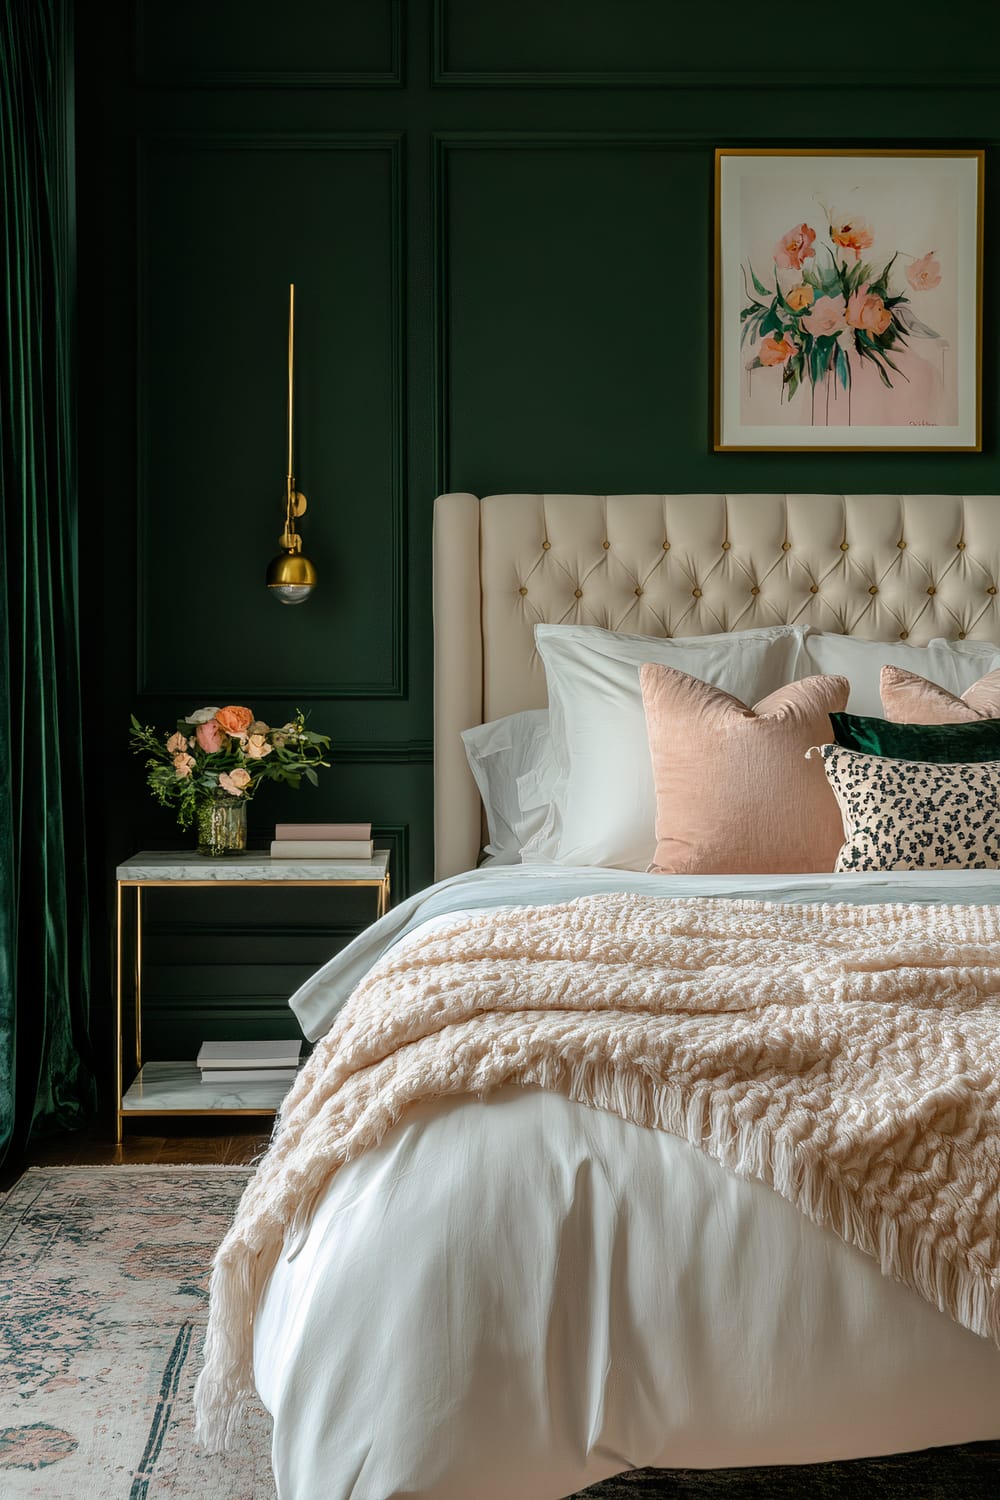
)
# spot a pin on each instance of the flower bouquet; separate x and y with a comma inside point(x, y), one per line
point(830, 305)
point(213, 762)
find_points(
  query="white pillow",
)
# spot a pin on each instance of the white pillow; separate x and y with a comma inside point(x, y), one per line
point(954, 665)
point(498, 754)
point(603, 801)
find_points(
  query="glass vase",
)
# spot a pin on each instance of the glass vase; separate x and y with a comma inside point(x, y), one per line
point(222, 825)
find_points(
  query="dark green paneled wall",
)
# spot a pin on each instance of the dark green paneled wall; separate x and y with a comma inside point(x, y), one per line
point(498, 217)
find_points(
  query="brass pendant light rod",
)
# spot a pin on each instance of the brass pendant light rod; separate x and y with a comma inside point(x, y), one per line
point(290, 575)
point(291, 372)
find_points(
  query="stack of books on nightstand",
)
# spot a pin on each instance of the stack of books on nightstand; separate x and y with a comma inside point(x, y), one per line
point(322, 841)
point(249, 1062)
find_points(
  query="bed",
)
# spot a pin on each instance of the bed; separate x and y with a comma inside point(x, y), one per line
point(515, 1295)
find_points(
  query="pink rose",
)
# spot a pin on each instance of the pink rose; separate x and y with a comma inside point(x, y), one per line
point(177, 743)
point(234, 720)
point(924, 274)
point(865, 310)
point(234, 782)
point(826, 317)
point(183, 766)
point(853, 234)
point(257, 747)
point(210, 737)
point(794, 247)
point(775, 351)
point(799, 297)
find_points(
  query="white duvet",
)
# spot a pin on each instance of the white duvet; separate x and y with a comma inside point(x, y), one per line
point(513, 1298)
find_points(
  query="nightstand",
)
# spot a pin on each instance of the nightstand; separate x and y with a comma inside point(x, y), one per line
point(175, 1088)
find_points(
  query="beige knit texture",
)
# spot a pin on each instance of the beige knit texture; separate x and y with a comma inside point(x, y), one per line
point(848, 1056)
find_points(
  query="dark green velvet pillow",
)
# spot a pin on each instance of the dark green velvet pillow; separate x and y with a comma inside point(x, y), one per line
point(936, 743)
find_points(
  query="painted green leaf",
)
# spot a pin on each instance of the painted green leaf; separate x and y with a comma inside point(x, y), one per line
point(758, 286)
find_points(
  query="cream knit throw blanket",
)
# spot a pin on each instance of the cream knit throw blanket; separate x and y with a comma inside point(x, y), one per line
point(849, 1056)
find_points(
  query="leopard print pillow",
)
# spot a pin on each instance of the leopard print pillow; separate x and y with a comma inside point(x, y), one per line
point(911, 815)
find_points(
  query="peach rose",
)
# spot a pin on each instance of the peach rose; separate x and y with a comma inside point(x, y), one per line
point(826, 317)
point(865, 310)
point(853, 234)
point(799, 297)
point(177, 743)
point(234, 782)
point(183, 766)
point(234, 720)
point(924, 274)
point(775, 351)
point(210, 737)
point(257, 747)
point(795, 246)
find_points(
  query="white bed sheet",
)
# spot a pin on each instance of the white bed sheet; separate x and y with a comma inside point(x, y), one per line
point(512, 1298)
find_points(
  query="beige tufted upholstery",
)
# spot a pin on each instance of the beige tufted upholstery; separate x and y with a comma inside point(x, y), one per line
point(887, 567)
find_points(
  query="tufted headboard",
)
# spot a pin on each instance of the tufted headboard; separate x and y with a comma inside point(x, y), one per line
point(887, 567)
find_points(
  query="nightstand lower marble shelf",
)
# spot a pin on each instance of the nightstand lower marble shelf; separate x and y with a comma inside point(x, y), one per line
point(175, 1088)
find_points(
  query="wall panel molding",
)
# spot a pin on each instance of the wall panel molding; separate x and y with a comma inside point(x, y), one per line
point(447, 142)
point(392, 565)
point(213, 76)
point(448, 71)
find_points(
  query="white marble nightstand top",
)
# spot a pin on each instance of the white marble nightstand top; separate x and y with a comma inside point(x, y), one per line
point(152, 866)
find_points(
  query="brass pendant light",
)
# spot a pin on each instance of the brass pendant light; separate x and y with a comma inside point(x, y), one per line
point(291, 577)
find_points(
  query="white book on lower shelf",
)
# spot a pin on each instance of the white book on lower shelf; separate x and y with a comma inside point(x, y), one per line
point(248, 1075)
point(250, 1055)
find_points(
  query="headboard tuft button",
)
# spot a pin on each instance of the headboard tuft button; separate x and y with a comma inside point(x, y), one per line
point(638, 593)
point(755, 590)
point(546, 546)
point(843, 546)
point(932, 589)
point(814, 588)
point(904, 635)
point(696, 593)
point(666, 546)
point(992, 589)
point(961, 635)
point(605, 545)
point(901, 545)
point(522, 589)
point(726, 546)
point(960, 546)
point(578, 593)
point(873, 589)
point(786, 546)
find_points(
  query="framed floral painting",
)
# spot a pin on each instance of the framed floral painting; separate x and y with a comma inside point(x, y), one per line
point(848, 299)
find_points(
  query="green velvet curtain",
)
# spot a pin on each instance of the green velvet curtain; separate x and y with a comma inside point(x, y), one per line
point(45, 1076)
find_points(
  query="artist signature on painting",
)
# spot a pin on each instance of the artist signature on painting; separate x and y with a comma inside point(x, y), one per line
point(920, 422)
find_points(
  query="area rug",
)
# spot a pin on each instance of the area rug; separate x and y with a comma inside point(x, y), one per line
point(103, 1295)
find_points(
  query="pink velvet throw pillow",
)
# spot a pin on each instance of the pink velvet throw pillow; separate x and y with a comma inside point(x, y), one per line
point(734, 791)
point(910, 699)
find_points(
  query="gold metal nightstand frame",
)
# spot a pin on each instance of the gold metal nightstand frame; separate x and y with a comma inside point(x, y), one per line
point(381, 886)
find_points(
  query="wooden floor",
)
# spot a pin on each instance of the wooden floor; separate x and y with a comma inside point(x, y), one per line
point(166, 1142)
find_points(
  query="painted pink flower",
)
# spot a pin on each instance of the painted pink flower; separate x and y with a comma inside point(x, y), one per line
point(774, 351)
point(826, 317)
point(257, 747)
point(234, 720)
point(795, 246)
point(924, 274)
point(866, 310)
point(853, 234)
point(234, 782)
point(799, 297)
point(210, 737)
point(177, 743)
point(183, 766)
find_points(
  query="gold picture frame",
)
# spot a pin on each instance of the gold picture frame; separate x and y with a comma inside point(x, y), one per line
point(848, 300)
